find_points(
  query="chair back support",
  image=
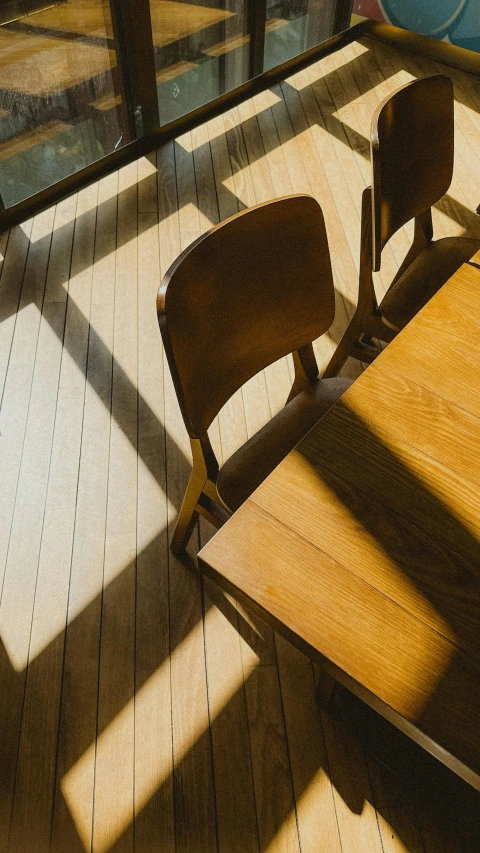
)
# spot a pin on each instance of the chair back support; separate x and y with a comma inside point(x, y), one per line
point(251, 290)
point(412, 154)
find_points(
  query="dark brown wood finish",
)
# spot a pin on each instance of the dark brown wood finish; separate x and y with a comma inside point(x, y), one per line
point(412, 141)
point(412, 148)
point(362, 547)
point(245, 294)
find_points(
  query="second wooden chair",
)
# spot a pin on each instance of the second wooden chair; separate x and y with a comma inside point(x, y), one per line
point(412, 147)
point(253, 289)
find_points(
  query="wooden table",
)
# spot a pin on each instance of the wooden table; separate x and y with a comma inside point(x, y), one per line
point(362, 548)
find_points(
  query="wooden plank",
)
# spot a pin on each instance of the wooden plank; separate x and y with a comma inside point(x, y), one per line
point(34, 353)
point(357, 819)
point(153, 793)
point(346, 195)
point(227, 201)
point(314, 797)
point(274, 155)
point(193, 779)
point(234, 793)
point(240, 182)
point(322, 77)
point(147, 185)
point(277, 825)
point(13, 268)
point(114, 761)
point(32, 808)
point(207, 203)
point(193, 774)
point(299, 173)
point(174, 71)
point(21, 568)
point(61, 254)
point(74, 788)
point(400, 831)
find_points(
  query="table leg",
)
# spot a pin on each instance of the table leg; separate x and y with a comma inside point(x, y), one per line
point(325, 687)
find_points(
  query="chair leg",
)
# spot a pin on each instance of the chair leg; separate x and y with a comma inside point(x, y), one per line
point(352, 334)
point(188, 515)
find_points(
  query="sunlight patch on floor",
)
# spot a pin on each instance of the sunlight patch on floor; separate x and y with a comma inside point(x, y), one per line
point(341, 59)
point(310, 812)
point(348, 111)
point(113, 817)
point(232, 120)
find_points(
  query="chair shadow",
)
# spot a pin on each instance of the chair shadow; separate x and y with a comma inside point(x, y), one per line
point(341, 754)
point(354, 462)
point(192, 783)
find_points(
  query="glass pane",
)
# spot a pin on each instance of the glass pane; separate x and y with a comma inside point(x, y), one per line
point(60, 107)
point(456, 21)
point(201, 51)
point(293, 26)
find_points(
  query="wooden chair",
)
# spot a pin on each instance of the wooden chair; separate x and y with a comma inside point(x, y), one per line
point(251, 290)
point(412, 142)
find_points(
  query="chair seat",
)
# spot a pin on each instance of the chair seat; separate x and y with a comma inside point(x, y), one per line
point(256, 459)
point(433, 267)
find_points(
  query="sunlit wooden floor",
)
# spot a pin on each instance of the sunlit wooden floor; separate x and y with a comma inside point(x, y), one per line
point(136, 713)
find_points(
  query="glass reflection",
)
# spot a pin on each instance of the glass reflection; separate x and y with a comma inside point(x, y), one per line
point(201, 51)
point(60, 104)
point(293, 26)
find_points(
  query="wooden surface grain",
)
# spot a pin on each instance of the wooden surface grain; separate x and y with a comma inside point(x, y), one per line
point(349, 550)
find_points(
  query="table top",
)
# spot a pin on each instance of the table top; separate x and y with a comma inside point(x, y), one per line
point(363, 546)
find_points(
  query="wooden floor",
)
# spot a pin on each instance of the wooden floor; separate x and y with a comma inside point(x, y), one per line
point(139, 710)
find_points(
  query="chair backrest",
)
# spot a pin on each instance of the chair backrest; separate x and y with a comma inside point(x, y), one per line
point(249, 291)
point(412, 154)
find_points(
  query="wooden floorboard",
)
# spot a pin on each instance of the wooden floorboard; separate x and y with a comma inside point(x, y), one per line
point(141, 709)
